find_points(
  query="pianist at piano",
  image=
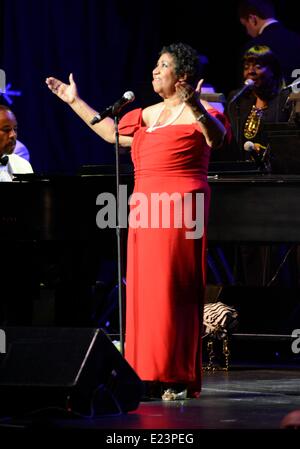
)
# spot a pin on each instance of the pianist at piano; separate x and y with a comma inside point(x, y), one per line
point(10, 163)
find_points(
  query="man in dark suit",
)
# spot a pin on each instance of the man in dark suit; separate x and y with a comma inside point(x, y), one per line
point(258, 17)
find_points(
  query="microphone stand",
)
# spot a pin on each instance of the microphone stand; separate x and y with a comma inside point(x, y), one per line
point(119, 241)
point(238, 129)
point(237, 122)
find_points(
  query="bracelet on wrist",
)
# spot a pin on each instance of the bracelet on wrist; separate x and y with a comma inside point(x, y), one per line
point(202, 118)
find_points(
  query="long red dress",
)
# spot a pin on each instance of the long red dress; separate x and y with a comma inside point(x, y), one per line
point(165, 270)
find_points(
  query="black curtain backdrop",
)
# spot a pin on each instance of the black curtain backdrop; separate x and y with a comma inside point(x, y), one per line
point(110, 46)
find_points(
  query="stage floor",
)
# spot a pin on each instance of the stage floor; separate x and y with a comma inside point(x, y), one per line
point(250, 398)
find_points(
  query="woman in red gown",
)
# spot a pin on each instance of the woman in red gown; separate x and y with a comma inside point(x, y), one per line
point(170, 147)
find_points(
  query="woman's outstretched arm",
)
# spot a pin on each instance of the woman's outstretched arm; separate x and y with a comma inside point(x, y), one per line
point(69, 94)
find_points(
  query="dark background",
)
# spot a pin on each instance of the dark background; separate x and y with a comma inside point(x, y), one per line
point(110, 46)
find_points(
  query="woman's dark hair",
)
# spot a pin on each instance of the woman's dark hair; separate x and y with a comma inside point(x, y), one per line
point(186, 61)
point(263, 55)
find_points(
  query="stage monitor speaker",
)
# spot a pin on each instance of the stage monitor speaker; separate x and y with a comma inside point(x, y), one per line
point(77, 371)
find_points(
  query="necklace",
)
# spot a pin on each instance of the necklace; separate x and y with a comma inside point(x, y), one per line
point(253, 122)
point(168, 122)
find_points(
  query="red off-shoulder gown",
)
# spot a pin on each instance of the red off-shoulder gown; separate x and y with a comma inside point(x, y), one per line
point(165, 270)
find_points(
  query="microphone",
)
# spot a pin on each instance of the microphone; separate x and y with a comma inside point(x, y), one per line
point(247, 85)
point(257, 152)
point(114, 109)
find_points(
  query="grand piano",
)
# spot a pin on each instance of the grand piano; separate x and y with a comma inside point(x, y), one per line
point(60, 212)
point(255, 208)
point(244, 208)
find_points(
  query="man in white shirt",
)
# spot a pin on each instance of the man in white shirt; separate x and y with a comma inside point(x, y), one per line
point(10, 163)
point(18, 290)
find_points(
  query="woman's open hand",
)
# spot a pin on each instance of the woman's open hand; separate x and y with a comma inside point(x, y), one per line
point(66, 92)
point(187, 93)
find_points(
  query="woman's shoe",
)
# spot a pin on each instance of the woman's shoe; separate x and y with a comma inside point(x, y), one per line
point(172, 395)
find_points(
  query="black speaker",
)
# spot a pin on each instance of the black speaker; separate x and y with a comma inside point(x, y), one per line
point(73, 370)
